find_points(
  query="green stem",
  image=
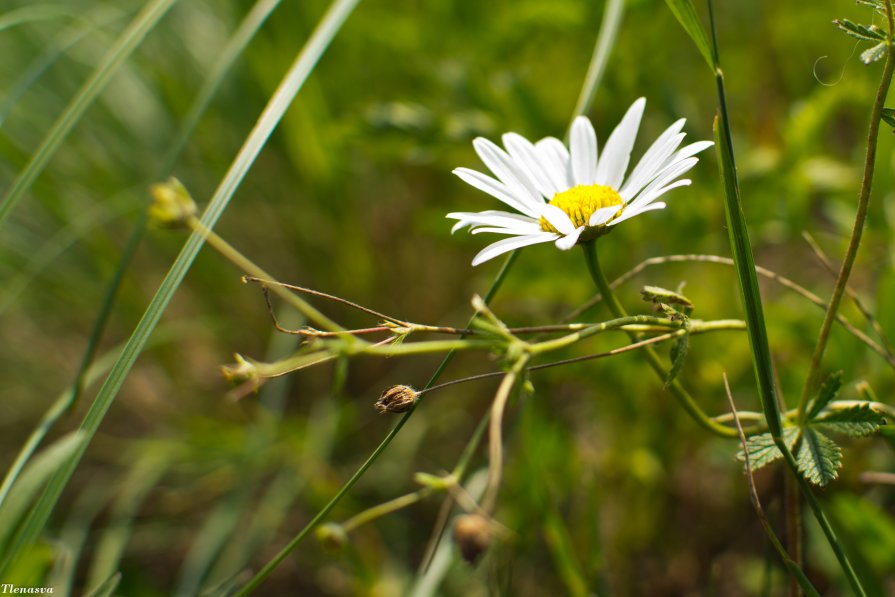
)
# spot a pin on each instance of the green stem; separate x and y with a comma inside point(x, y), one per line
point(383, 509)
point(745, 268)
point(262, 574)
point(233, 255)
point(676, 389)
point(495, 436)
point(854, 243)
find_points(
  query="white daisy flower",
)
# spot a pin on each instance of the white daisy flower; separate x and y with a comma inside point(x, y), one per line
point(568, 196)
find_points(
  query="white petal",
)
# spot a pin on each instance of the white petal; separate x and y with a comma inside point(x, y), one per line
point(653, 160)
point(556, 158)
point(498, 190)
point(667, 175)
point(509, 244)
point(568, 241)
point(583, 151)
point(691, 149)
point(510, 231)
point(647, 198)
point(503, 219)
point(614, 162)
point(630, 213)
point(521, 150)
point(507, 171)
point(558, 219)
point(602, 215)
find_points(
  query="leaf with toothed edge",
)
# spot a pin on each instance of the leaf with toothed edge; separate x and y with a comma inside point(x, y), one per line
point(871, 33)
point(819, 458)
point(827, 392)
point(888, 116)
point(855, 421)
point(763, 451)
point(875, 53)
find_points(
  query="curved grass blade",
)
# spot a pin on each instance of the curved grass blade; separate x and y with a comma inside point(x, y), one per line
point(126, 43)
point(240, 39)
point(29, 484)
point(612, 20)
point(270, 117)
point(686, 15)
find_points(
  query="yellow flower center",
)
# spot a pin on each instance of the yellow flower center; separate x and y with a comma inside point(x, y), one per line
point(581, 201)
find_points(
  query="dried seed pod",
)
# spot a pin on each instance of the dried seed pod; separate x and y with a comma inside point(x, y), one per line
point(472, 534)
point(332, 537)
point(396, 399)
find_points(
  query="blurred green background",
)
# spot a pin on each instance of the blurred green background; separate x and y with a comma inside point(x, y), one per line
point(608, 484)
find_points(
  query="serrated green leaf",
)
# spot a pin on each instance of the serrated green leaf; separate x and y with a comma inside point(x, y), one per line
point(888, 116)
point(763, 451)
point(818, 457)
point(678, 355)
point(855, 421)
point(686, 15)
point(875, 4)
point(827, 392)
point(872, 33)
point(873, 54)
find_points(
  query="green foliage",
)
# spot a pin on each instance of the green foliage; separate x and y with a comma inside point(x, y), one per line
point(686, 15)
point(862, 32)
point(855, 421)
point(818, 456)
point(877, 52)
point(825, 395)
point(763, 451)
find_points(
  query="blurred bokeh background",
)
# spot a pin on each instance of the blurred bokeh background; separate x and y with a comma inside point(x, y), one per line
point(608, 484)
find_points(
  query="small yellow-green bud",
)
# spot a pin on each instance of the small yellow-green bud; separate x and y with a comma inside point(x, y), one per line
point(472, 534)
point(396, 399)
point(332, 537)
point(240, 371)
point(172, 206)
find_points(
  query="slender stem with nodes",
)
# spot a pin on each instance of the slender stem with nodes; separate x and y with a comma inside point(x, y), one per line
point(854, 242)
point(676, 389)
point(495, 446)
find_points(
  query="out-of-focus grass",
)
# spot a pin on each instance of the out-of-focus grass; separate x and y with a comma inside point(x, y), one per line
point(349, 197)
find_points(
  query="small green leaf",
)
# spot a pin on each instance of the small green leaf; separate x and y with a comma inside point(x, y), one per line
point(856, 421)
point(762, 450)
point(686, 15)
point(888, 116)
point(656, 295)
point(875, 4)
point(872, 33)
point(678, 355)
point(827, 392)
point(818, 457)
point(873, 54)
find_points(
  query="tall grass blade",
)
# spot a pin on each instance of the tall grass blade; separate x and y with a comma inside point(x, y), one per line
point(686, 15)
point(29, 484)
point(612, 20)
point(126, 43)
point(250, 149)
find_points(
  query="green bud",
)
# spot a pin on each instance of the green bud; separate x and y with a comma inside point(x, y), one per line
point(172, 206)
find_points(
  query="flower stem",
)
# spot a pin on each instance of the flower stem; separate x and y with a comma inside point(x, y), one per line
point(811, 381)
point(256, 580)
point(676, 389)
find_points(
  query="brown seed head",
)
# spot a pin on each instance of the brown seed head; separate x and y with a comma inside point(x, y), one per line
point(472, 534)
point(396, 399)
